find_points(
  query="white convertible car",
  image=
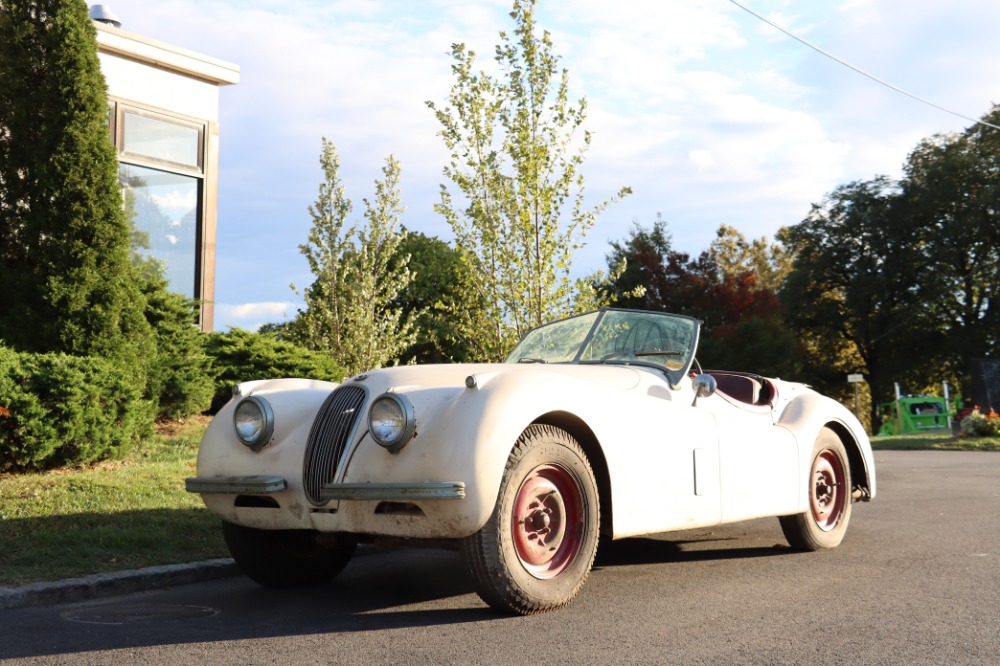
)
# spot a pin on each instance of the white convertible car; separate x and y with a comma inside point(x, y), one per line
point(599, 424)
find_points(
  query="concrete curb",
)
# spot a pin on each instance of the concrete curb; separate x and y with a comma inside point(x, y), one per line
point(96, 586)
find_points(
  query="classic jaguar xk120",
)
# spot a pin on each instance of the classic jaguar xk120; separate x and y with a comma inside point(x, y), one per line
point(599, 424)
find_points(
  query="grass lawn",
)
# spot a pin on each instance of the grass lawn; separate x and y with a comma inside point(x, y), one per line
point(935, 440)
point(135, 512)
point(113, 516)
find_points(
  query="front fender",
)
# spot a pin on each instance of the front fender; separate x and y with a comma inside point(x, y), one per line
point(221, 454)
point(465, 432)
point(806, 415)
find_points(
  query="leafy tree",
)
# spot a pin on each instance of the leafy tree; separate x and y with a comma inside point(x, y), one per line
point(68, 282)
point(515, 158)
point(952, 184)
point(856, 286)
point(279, 329)
point(430, 299)
point(646, 255)
point(769, 262)
point(350, 310)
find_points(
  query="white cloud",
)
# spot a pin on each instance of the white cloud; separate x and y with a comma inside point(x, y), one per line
point(711, 116)
point(182, 200)
point(251, 316)
point(701, 159)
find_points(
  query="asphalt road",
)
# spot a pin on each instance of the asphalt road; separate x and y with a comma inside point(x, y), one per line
point(916, 581)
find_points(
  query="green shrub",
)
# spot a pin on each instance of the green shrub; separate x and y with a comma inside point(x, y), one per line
point(65, 410)
point(240, 356)
point(181, 377)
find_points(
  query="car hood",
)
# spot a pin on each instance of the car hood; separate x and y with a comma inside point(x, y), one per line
point(468, 375)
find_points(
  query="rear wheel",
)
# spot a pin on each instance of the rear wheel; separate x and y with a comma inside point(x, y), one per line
point(824, 524)
point(535, 552)
point(281, 558)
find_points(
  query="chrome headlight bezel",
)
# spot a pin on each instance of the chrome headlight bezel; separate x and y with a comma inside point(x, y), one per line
point(253, 437)
point(391, 436)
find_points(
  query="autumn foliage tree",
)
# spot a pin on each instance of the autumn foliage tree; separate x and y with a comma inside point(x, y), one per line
point(768, 261)
point(742, 324)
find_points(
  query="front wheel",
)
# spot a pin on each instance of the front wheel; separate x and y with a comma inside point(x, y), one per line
point(282, 558)
point(535, 552)
point(824, 524)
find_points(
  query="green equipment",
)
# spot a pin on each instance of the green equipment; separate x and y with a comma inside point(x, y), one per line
point(909, 415)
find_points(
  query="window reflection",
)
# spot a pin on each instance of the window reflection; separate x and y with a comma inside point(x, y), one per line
point(163, 207)
point(161, 140)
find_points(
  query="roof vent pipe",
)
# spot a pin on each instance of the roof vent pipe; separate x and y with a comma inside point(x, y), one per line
point(103, 14)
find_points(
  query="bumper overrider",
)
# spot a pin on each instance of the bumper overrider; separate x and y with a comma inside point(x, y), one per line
point(389, 492)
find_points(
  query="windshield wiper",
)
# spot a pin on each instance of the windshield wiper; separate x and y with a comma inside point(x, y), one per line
point(640, 352)
point(527, 359)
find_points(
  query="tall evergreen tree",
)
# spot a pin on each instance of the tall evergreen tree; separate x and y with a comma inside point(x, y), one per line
point(65, 271)
point(649, 258)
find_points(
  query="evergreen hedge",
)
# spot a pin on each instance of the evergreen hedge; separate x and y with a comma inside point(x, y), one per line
point(181, 376)
point(240, 356)
point(62, 410)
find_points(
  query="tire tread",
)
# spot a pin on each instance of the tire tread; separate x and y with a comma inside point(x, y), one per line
point(800, 529)
point(491, 583)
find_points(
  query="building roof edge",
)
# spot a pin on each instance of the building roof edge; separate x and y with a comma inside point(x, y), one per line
point(132, 46)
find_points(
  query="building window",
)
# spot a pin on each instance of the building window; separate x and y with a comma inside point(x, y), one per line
point(161, 160)
point(164, 210)
point(161, 140)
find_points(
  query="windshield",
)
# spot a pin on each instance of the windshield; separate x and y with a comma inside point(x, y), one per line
point(614, 336)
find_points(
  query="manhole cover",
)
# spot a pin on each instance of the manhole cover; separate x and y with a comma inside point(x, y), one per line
point(138, 613)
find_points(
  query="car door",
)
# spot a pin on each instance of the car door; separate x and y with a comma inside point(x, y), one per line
point(664, 463)
point(758, 461)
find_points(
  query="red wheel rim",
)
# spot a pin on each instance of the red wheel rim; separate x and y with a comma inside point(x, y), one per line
point(547, 521)
point(829, 496)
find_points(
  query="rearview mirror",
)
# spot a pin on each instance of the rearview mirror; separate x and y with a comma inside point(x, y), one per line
point(704, 386)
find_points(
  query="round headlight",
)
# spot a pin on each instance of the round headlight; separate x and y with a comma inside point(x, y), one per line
point(391, 421)
point(254, 422)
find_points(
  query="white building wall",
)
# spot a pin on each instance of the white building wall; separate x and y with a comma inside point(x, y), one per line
point(166, 90)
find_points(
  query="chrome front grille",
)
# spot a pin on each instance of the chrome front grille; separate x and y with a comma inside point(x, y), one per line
point(331, 434)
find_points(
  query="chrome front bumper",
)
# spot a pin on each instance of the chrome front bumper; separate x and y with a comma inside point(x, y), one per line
point(267, 485)
point(236, 485)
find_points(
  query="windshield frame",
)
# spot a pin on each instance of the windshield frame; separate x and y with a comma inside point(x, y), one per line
point(600, 317)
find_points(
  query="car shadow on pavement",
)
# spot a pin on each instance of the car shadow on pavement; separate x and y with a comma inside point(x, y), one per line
point(380, 590)
point(652, 550)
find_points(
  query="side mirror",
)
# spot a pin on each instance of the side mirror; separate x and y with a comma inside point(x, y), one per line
point(704, 386)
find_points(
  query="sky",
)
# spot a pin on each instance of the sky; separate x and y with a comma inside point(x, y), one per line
point(710, 115)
